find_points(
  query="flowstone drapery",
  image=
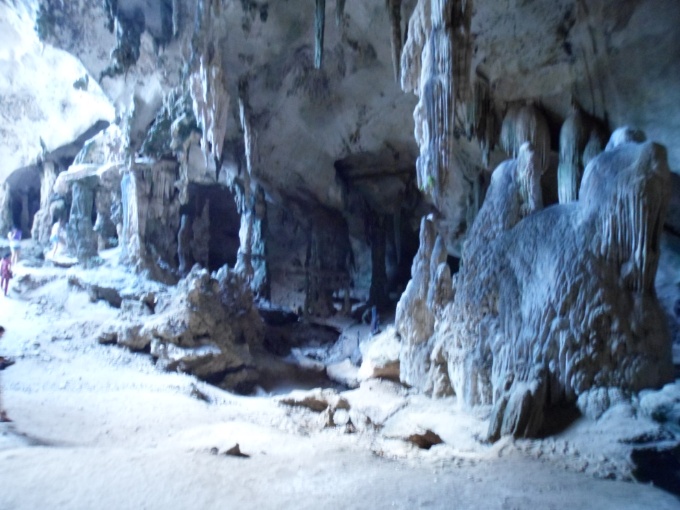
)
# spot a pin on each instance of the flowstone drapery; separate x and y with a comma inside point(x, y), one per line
point(582, 137)
point(555, 303)
point(435, 65)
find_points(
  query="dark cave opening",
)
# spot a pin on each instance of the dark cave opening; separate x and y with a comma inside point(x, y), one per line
point(660, 466)
point(223, 222)
point(401, 250)
point(24, 185)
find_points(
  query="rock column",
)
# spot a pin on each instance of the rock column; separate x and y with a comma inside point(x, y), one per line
point(81, 236)
point(44, 218)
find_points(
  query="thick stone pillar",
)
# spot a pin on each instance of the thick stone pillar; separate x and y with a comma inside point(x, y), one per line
point(81, 236)
point(252, 253)
point(134, 209)
point(319, 289)
point(184, 254)
point(45, 217)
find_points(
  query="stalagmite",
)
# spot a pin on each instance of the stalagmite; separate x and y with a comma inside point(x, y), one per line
point(623, 135)
point(319, 27)
point(528, 178)
point(421, 304)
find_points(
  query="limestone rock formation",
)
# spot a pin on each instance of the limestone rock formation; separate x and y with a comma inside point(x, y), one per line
point(207, 326)
point(380, 357)
point(41, 109)
point(581, 139)
point(255, 135)
point(421, 305)
point(561, 301)
point(436, 67)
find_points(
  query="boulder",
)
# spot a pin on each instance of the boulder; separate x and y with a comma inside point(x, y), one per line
point(381, 356)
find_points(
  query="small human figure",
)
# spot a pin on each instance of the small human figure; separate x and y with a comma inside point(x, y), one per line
point(55, 235)
point(375, 321)
point(14, 237)
point(5, 272)
point(3, 362)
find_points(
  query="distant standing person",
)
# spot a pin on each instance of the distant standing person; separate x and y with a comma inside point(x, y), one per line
point(55, 235)
point(14, 237)
point(5, 272)
point(3, 414)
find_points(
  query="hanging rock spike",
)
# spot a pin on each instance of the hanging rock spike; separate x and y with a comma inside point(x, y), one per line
point(394, 9)
point(339, 11)
point(319, 25)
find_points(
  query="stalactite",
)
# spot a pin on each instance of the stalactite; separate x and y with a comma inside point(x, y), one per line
point(526, 124)
point(481, 119)
point(582, 138)
point(248, 136)
point(573, 139)
point(412, 55)
point(176, 6)
point(435, 64)
point(394, 10)
point(211, 103)
point(339, 12)
point(319, 26)
point(597, 141)
point(207, 82)
point(461, 16)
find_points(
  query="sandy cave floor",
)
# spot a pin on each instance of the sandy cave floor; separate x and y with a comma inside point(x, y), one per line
point(96, 426)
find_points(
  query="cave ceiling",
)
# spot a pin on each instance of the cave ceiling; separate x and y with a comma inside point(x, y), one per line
point(348, 121)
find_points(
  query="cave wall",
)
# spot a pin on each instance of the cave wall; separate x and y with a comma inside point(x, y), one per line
point(335, 128)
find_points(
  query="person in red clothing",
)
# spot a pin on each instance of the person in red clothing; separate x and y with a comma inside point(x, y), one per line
point(5, 272)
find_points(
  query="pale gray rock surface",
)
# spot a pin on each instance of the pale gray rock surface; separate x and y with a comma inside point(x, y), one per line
point(380, 356)
point(562, 301)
